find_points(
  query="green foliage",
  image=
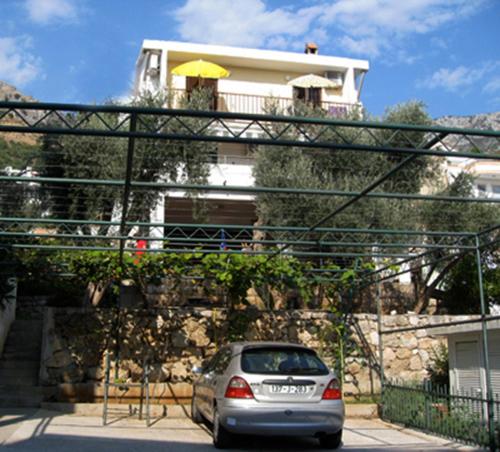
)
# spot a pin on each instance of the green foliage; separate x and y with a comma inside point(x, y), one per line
point(39, 274)
point(344, 170)
point(461, 284)
point(432, 409)
point(438, 368)
point(16, 154)
point(104, 158)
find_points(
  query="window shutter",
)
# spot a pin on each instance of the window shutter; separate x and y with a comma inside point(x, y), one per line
point(467, 365)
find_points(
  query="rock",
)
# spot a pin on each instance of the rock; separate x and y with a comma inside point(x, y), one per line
point(421, 333)
point(403, 353)
point(415, 363)
point(389, 354)
point(200, 337)
point(178, 372)
point(353, 368)
point(179, 339)
point(424, 356)
point(408, 340)
point(373, 338)
point(61, 358)
point(95, 373)
point(72, 374)
point(413, 320)
point(402, 320)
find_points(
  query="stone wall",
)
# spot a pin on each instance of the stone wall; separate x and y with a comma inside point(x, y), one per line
point(7, 312)
point(174, 340)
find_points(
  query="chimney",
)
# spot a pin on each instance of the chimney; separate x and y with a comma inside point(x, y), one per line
point(311, 48)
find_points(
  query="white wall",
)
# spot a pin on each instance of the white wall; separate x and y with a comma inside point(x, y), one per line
point(467, 361)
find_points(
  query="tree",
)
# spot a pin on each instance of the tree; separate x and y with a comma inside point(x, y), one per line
point(347, 170)
point(97, 158)
point(450, 216)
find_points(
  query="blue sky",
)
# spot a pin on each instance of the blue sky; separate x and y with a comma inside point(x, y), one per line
point(443, 52)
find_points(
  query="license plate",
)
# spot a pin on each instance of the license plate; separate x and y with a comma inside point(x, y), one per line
point(289, 389)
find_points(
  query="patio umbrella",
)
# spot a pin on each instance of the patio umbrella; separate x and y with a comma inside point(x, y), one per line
point(312, 81)
point(201, 69)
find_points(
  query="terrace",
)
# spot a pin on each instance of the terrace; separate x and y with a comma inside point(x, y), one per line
point(255, 104)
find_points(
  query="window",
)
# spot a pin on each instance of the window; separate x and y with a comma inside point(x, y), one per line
point(496, 189)
point(223, 361)
point(219, 362)
point(282, 360)
point(481, 188)
point(210, 84)
point(309, 95)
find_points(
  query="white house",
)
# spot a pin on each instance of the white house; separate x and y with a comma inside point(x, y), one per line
point(466, 357)
point(255, 77)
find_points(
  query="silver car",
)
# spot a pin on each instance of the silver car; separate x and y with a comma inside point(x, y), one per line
point(268, 388)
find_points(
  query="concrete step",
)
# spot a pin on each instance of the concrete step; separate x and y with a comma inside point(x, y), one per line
point(22, 325)
point(33, 364)
point(19, 372)
point(20, 390)
point(24, 344)
point(17, 355)
point(24, 353)
point(16, 381)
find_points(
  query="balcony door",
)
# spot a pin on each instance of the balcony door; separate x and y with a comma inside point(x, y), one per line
point(209, 84)
point(308, 95)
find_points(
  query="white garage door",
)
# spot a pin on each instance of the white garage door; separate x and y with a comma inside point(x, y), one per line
point(467, 365)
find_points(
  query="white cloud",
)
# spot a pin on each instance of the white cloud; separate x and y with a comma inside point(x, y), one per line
point(371, 27)
point(493, 85)
point(45, 12)
point(375, 28)
point(463, 77)
point(242, 22)
point(17, 65)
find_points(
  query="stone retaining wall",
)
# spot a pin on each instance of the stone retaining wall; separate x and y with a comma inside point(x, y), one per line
point(174, 340)
point(7, 312)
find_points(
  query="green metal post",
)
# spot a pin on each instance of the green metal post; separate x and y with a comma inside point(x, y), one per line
point(380, 344)
point(128, 179)
point(489, 392)
point(123, 223)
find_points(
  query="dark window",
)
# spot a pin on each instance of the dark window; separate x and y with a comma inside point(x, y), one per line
point(223, 362)
point(309, 95)
point(282, 360)
point(209, 84)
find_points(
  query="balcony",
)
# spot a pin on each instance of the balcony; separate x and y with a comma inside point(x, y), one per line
point(252, 104)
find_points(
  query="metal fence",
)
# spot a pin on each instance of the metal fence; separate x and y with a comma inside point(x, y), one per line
point(431, 408)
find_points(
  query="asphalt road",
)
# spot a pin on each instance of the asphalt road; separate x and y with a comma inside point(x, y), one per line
point(41, 430)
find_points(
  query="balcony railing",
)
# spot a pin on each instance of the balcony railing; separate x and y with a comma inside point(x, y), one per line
point(253, 104)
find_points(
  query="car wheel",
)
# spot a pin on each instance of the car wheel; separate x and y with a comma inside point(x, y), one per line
point(331, 441)
point(196, 416)
point(221, 437)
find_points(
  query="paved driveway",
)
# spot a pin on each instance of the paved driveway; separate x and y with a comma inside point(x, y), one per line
point(40, 430)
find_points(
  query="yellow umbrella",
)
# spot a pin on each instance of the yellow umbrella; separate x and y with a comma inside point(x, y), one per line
point(202, 69)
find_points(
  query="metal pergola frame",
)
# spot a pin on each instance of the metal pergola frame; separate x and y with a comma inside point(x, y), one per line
point(279, 131)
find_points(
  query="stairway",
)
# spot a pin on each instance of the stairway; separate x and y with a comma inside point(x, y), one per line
point(20, 365)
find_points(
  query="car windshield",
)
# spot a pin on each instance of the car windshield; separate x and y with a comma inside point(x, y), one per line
point(282, 360)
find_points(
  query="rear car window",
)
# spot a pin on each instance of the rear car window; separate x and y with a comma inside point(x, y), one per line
point(278, 361)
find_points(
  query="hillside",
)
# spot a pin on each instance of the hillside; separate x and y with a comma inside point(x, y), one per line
point(12, 94)
point(16, 149)
point(487, 121)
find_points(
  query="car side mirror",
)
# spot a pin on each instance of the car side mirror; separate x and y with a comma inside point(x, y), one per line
point(197, 370)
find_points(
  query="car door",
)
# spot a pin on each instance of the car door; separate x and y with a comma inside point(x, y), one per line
point(215, 377)
point(202, 386)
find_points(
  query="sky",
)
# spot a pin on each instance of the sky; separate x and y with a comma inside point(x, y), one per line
point(445, 53)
